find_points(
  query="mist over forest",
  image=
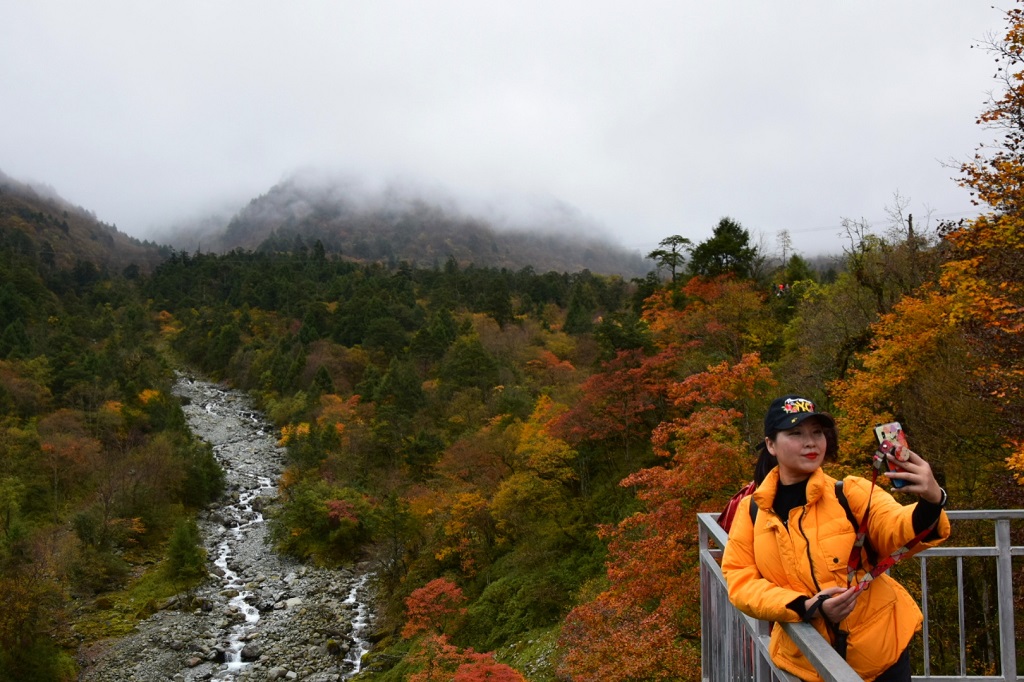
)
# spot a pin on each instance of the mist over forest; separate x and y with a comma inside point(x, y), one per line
point(403, 222)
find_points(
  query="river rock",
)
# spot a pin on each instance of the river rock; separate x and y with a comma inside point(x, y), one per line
point(251, 652)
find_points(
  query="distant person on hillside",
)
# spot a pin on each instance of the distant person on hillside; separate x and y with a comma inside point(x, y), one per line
point(787, 560)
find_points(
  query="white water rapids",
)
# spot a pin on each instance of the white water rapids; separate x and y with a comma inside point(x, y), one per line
point(232, 581)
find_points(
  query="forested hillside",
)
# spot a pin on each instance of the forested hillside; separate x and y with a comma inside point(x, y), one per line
point(39, 224)
point(520, 452)
point(393, 225)
point(97, 468)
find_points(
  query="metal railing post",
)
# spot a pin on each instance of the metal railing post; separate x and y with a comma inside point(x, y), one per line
point(705, 629)
point(1004, 592)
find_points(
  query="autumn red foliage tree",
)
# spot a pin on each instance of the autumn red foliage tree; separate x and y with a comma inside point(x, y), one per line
point(67, 451)
point(705, 321)
point(438, 660)
point(619, 403)
point(433, 608)
point(646, 624)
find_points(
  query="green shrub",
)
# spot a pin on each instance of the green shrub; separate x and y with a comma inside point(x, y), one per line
point(97, 570)
point(320, 521)
point(186, 558)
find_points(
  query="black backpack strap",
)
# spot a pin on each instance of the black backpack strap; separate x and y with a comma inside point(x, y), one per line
point(841, 496)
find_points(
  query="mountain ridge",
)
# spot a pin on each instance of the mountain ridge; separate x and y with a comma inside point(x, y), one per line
point(390, 226)
point(395, 225)
point(37, 219)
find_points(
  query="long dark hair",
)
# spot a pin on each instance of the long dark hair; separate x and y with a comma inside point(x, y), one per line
point(766, 461)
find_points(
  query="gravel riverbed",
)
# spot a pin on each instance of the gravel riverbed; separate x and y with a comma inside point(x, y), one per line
point(260, 616)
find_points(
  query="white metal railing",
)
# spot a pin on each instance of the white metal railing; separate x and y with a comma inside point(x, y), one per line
point(734, 646)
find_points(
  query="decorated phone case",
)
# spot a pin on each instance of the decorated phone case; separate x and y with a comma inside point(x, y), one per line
point(893, 432)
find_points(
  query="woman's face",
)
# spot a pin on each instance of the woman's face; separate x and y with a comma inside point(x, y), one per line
point(799, 451)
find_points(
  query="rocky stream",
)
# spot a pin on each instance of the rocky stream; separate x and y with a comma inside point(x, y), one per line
point(260, 616)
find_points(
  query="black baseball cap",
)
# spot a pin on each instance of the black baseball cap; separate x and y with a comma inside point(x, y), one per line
point(789, 410)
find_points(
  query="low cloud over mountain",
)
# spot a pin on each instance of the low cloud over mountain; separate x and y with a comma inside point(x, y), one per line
point(422, 226)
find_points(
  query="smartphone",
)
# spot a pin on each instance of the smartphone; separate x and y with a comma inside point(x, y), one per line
point(888, 436)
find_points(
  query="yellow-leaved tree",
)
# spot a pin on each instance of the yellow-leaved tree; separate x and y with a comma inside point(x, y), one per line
point(949, 359)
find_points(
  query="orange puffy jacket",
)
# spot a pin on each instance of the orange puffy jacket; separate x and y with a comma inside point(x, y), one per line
point(768, 566)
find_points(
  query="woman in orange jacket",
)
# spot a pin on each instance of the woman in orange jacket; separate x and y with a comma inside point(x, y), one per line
point(789, 561)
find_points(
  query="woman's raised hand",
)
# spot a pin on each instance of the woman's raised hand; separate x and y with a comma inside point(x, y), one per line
point(918, 475)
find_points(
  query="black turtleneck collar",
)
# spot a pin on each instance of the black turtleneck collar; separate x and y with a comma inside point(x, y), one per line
point(789, 497)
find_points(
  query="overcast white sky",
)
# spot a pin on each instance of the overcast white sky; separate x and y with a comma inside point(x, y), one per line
point(650, 118)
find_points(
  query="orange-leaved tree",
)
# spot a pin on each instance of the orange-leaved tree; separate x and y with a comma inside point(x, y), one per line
point(708, 320)
point(646, 623)
point(432, 611)
point(721, 317)
point(967, 329)
point(987, 268)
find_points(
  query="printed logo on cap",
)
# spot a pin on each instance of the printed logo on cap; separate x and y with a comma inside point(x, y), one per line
point(793, 405)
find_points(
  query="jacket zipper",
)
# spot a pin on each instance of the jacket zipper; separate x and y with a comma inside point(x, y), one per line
point(807, 545)
point(835, 634)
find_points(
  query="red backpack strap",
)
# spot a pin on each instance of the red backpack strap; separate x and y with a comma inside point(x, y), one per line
point(726, 517)
point(854, 563)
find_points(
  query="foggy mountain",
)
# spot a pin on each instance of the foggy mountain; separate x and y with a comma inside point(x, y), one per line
point(35, 219)
point(393, 225)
